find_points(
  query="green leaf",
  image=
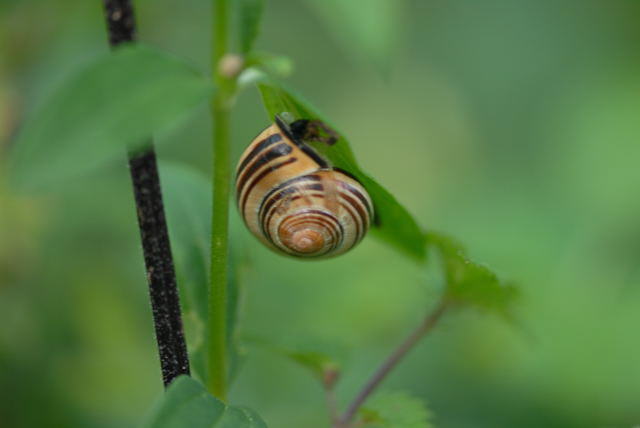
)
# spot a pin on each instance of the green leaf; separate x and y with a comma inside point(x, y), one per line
point(392, 222)
point(470, 283)
point(367, 29)
point(187, 197)
point(395, 410)
point(250, 15)
point(187, 404)
point(119, 100)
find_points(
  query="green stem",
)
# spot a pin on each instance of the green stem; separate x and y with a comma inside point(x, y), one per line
point(220, 112)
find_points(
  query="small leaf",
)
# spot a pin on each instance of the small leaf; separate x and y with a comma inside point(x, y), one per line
point(470, 283)
point(395, 410)
point(121, 99)
point(250, 15)
point(187, 404)
point(392, 222)
point(366, 28)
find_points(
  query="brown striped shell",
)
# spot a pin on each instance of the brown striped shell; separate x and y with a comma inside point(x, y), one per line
point(294, 201)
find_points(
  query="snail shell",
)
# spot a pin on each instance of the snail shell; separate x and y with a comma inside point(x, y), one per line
point(294, 201)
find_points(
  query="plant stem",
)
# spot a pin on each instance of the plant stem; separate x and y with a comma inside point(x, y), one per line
point(220, 113)
point(163, 290)
point(392, 361)
point(161, 277)
point(332, 406)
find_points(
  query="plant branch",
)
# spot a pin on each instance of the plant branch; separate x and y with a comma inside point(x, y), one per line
point(161, 277)
point(392, 361)
point(329, 379)
point(332, 406)
point(219, 277)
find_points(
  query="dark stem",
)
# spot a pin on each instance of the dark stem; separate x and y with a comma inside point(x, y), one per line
point(121, 23)
point(161, 277)
point(392, 361)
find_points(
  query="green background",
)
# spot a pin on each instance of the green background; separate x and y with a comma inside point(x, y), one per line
point(513, 125)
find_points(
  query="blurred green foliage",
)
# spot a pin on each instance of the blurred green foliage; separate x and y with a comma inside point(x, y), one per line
point(511, 124)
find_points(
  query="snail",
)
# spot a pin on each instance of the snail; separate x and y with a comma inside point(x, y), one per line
point(294, 200)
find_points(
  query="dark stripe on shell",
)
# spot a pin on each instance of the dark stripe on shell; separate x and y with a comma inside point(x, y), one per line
point(356, 221)
point(359, 195)
point(261, 176)
point(273, 153)
point(323, 224)
point(337, 242)
point(269, 208)
point(272, 139)
point(285, 184)
point(364, 218)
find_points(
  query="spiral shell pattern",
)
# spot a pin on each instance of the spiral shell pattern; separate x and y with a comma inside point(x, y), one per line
point(295, 202)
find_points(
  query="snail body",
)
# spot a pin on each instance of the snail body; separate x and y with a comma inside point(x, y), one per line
point(294, 201)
